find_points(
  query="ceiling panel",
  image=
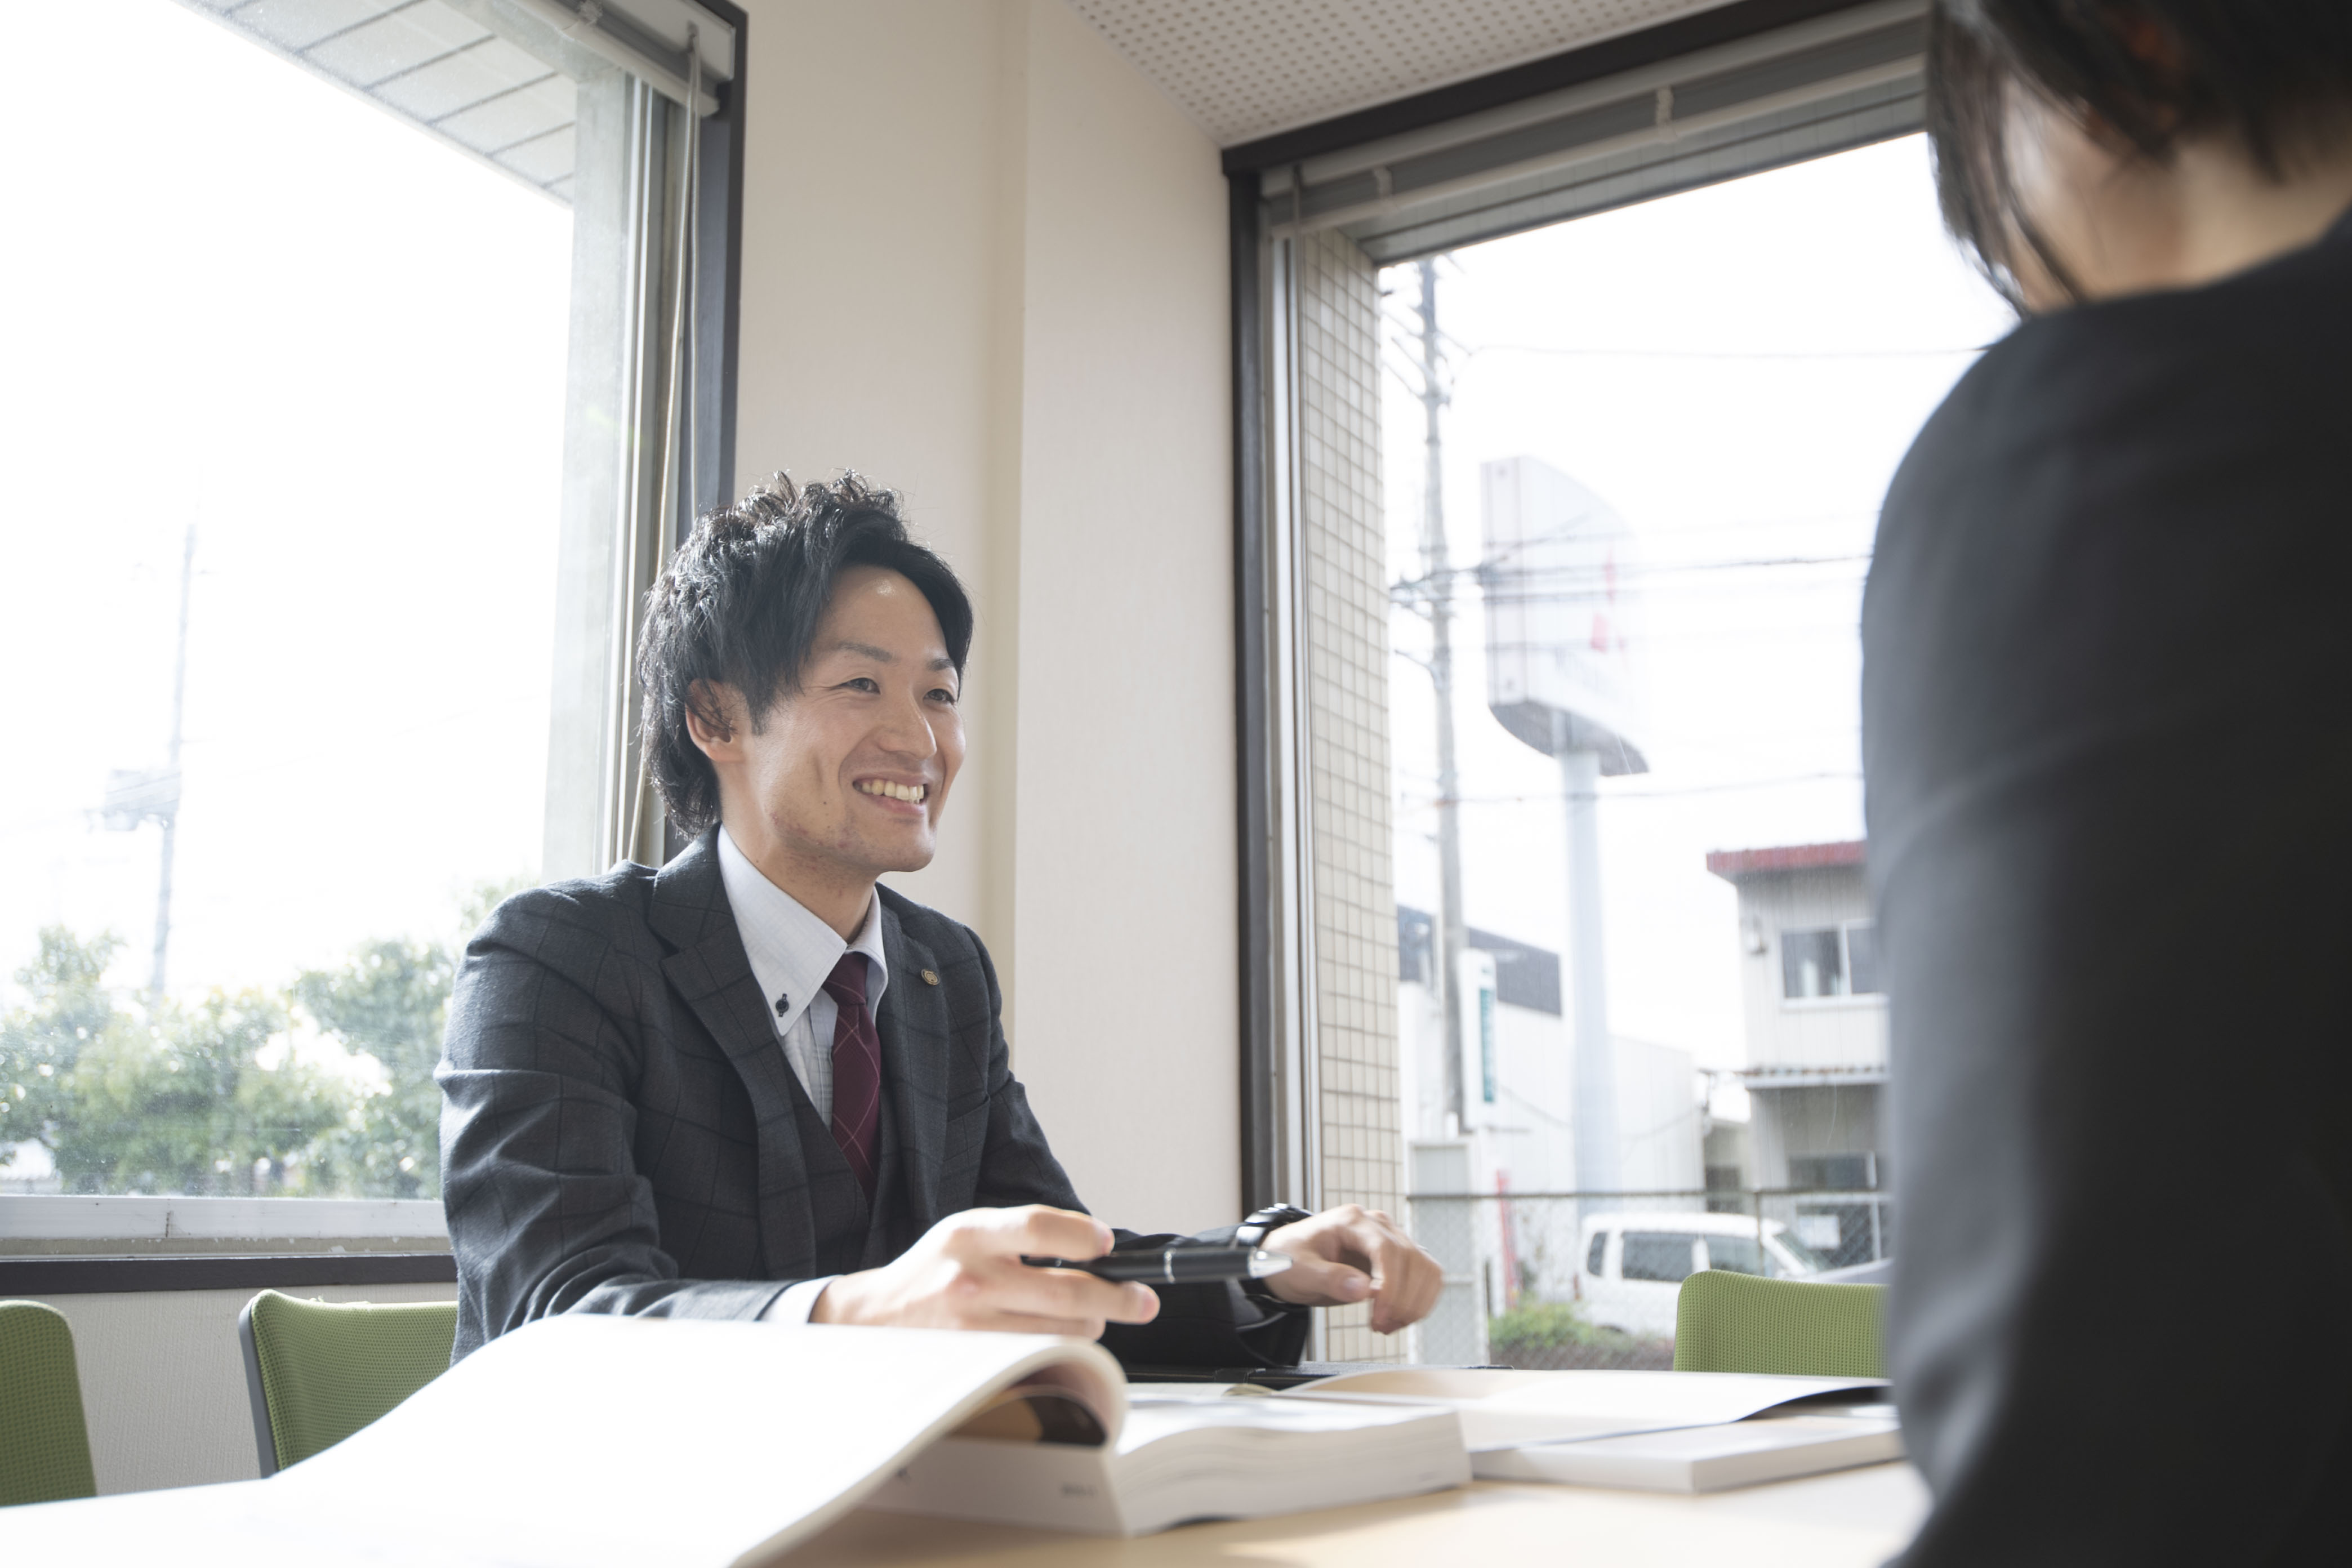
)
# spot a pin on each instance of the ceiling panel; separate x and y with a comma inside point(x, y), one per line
point(523, 128)
point(1246, 69)
point(433, 64)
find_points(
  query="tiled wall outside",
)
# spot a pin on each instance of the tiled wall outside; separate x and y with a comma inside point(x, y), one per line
point(1342, 537)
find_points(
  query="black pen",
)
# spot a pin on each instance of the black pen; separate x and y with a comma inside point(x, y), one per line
point(1175, 1264)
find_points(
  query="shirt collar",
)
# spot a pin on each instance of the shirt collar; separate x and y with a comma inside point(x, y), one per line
point(792, 951)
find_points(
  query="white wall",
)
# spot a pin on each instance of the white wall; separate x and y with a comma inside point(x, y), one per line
point(163, 1380)
point(1844, 1031)
point(1658, 1119)
point(984, 262)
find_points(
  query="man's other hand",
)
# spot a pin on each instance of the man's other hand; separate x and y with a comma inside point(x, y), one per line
point(1348, 1254)
point(966, 1273)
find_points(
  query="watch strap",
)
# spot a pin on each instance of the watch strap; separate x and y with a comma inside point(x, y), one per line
point(1253, 1232)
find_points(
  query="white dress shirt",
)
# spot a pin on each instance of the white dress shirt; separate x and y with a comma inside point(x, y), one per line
point(792, 952)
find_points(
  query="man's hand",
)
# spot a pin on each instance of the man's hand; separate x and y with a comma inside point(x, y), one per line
point(1343, 1255)
point(966, 1273)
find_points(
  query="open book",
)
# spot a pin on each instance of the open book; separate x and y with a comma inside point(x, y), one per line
point(1177, 1458)
point(596, 1442)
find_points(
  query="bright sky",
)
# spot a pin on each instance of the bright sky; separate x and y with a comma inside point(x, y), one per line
point(248, 301)
point(1747, 364)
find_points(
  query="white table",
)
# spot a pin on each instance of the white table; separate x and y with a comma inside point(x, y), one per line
point(1859, 1517)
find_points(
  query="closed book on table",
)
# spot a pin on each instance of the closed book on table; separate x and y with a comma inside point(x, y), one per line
point(1778, 1445)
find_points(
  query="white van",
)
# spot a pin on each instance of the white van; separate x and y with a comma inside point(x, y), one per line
point(1631, 1267)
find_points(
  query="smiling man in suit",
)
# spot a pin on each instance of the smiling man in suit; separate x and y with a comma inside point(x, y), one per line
point(755, 1084)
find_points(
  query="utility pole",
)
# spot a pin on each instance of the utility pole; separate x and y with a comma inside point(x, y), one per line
point(1437, 574)
point(136, 795)
point(170, 816)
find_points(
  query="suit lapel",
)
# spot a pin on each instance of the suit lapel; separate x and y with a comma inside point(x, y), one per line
point(913, 1024)
point(711, 974)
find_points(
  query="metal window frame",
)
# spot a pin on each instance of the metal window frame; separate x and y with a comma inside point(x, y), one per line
point(1270, 184)
point(624, 511)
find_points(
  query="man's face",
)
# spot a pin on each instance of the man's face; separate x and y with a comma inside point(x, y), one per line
point(850, 771)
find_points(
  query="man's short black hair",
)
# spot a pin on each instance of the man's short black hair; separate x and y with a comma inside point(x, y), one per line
point(739, 605)
point(2275, 73)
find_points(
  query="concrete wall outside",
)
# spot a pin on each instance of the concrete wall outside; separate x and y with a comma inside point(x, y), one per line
point(1658, 1119)
point(1820, 1118)
point(1727, 1148)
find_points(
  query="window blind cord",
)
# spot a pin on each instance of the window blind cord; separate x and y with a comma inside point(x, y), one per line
point(677, 425)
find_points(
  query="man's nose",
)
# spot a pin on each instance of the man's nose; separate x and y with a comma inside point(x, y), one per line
point(907, 728)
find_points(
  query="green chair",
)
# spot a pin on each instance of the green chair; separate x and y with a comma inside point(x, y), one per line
point(1739, 1322)
point(44, 1441)
point(317, 1372)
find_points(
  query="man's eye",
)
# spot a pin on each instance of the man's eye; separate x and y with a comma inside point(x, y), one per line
point(941, 694)
point(863, 683)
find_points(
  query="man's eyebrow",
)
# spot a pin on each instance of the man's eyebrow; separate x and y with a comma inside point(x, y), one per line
point(884, 656)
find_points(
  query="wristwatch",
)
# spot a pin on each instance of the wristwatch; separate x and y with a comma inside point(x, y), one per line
point(1253, 1232)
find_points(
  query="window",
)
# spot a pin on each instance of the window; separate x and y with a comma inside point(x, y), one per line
point(1833, 1172)
point(1736, 1254)
point(1861, 958)
point(1597, 1253)
point(1797, 1252)
point(318, 453)
point(1578, 424)
point(1841, 961)
point(1661, 1256)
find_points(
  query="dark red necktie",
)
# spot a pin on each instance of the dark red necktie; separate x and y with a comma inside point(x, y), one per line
point(856, 1068)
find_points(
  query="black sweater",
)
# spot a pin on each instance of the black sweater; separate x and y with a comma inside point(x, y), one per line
point(2107, 734)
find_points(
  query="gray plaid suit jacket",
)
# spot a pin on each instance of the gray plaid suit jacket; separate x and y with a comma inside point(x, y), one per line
point(621, 1133)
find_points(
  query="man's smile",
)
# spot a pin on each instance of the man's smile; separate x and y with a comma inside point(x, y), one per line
point(913, 794)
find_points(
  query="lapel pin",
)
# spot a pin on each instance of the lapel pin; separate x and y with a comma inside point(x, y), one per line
point(929, 978)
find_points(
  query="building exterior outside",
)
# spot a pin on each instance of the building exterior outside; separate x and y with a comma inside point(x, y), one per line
point(1518, 1134)
point(1815, 1011)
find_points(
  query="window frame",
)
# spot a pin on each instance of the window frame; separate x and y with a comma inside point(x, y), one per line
point(169, 1242)
point(1842, 1000)
point(1276, 958)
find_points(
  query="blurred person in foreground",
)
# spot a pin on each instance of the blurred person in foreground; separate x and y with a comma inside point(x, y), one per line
point(2108, 732)
point(754, 1083)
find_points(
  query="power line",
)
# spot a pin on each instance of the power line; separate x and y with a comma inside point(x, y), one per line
point(1729, 787)
point(1552, 352)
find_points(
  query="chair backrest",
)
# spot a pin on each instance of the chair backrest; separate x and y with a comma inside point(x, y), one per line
point(317, 1372)
point(44, 1441)
point(1737, 1322)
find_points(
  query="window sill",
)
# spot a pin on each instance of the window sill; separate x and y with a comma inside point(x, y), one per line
point(49, 1225)
point(39, 1276)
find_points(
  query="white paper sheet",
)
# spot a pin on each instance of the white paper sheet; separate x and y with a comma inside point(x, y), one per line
point(1508, 1409)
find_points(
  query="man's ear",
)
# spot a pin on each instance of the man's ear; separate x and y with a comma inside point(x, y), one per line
point(714, 714)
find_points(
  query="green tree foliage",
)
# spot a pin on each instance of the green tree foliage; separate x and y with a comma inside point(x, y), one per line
point(41, 1042)
point(211, 1097)
point(169, 1100)
point(389, 1001)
